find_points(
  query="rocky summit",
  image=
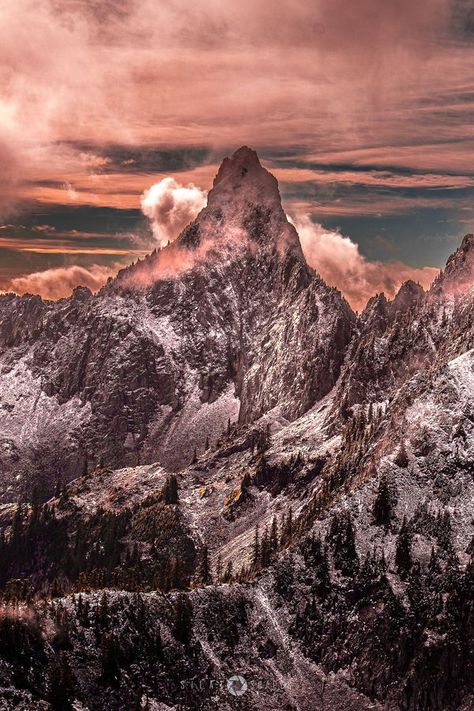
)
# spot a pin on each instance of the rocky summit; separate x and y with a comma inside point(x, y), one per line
point(227, 322)
point(223, 489)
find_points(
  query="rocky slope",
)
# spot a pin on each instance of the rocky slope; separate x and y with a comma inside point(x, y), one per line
point(320, 544)
point(227, 322)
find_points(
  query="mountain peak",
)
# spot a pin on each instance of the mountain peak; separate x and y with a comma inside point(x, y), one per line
point(243, 176)
point(244, 205)
point(458, 276)
point(244, 158)
point(468, 243)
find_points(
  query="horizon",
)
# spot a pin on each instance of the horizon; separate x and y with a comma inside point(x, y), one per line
point(191, 201)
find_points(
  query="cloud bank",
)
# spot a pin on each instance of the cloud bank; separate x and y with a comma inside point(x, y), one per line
point(77, 75)
point(170, 207)
point(338, 260)
point(59, 282)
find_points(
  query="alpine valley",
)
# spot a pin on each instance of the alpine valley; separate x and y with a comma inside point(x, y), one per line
point(214, 467)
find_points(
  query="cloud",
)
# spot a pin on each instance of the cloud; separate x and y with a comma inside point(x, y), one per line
point(170, 207)
point(339, 262)
point(141, 72)
point(59, 282)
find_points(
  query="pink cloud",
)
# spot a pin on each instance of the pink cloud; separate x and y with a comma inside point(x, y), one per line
point(171, 206)
point(354, 75)
point(338, 260)
point(59, 282)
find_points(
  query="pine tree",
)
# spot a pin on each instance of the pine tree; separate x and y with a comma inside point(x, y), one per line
point(342, 539)
point(287, 528)
point(382, 508)
point(170, 491)
point(316, 559)
point(35, 510)
point(434, 567)
point(443, 530)
point(229, 572)
point(403, 560)
point(265, 550)
point(61, 685)
point(219, 569)
point(203, 574)
point(110, 661)
point(102, 614)
point(274, 535)
point(256, 549)
point(401, 460)
point(285, 577)
point(417, 594)
point(183, 616)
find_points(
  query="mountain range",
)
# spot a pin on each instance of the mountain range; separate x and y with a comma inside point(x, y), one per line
point(214, 467)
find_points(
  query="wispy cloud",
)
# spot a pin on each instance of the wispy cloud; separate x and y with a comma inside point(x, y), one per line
point(339, 261)
point(60, 282)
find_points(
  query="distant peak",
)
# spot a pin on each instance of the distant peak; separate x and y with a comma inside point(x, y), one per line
point(458, 275)
point(409, 289)
point(468, 243)
point(409, 293)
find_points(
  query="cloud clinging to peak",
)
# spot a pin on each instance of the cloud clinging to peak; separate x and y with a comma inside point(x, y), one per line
point(171, 206)
point(339, 261)
point(59, 282)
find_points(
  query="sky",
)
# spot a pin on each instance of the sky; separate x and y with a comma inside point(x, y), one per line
point(115, 115)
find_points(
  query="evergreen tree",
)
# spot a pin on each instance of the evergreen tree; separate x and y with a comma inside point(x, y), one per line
point(110, 661)
point(203, 574)
point(417, 594)
point(229, 572)
point(443, 530)
point(403, 560)
point(316, 559)
point(35, 511)
point(342, 539)
point(183, 616)
point(287, 528)
point(219, 570)
point(61, 685)
point(434, 567)
point(382, 508)
point(274, 535)
point(370, 574)
point(285, 577)
point(170, 490)
point(401, 460)
point(256, 550)
point(265, 550)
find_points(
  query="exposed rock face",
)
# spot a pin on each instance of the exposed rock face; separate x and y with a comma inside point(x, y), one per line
point(227, 322)
point(325, 553)
point(458, 276)
point(415, 331)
